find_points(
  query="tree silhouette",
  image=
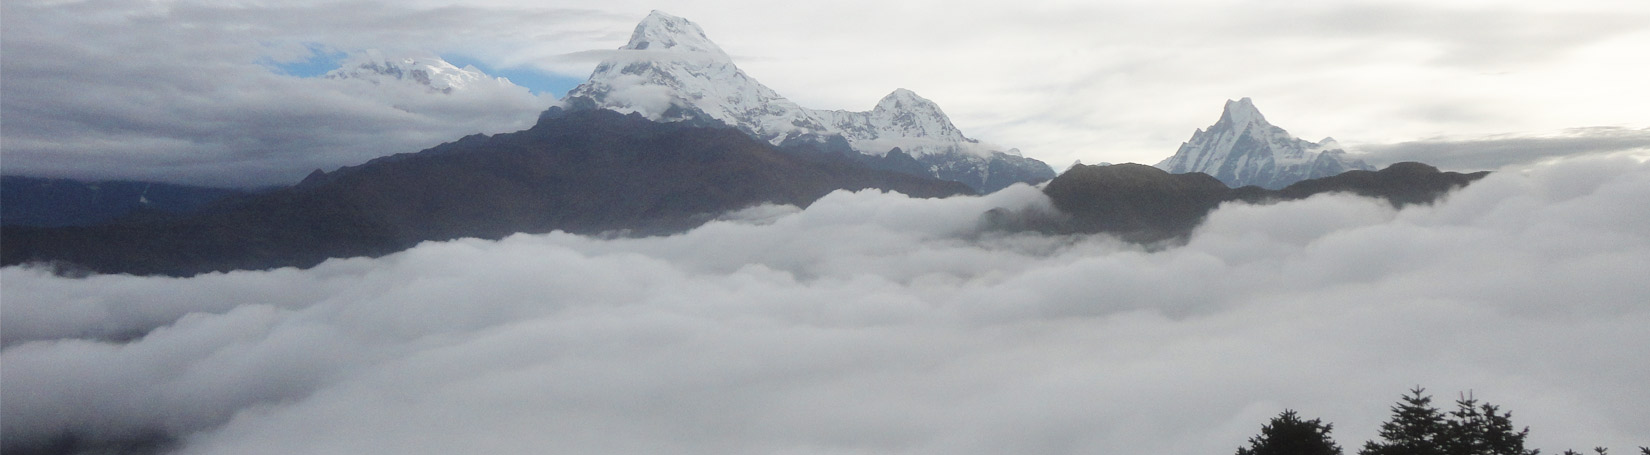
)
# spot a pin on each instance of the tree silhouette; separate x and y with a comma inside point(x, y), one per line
point(1478, 429)
point(1287, 434)
point(1416, 428)
point(1474, 428)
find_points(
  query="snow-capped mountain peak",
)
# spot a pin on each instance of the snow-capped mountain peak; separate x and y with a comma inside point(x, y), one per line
point(902, 99)
point(901, 114)
point(1241, 115)
point(1243, 149)
point(670, 71)
point(429, 71)
point(661, 31)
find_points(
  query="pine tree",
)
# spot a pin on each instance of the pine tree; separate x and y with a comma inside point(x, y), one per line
point(1478, 429)
point(1287, 434)
point(1416, 428)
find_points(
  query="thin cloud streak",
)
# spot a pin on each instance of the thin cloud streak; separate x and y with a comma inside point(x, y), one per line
point(1498, 152)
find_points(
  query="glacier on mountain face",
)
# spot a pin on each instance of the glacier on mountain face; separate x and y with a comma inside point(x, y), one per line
point(1243, 149)
point(670, 71)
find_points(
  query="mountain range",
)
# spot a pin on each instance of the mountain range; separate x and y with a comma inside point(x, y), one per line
point(1243, 149)
point(669, 134)
point(1146, 204)
point(671, 71)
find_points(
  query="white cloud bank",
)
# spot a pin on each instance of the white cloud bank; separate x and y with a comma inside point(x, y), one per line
point(874, 323)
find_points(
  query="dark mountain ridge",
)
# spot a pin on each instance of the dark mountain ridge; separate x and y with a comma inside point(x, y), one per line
point(595, 171)
point(584, 172)
point(53, 202)
point(1145, 204)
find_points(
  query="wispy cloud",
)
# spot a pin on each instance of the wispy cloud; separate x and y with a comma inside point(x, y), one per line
point(1496, 152)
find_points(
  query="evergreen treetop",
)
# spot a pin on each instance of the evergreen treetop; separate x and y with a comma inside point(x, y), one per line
point(1287, 434)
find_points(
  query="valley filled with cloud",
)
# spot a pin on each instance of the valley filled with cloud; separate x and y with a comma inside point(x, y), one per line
point(871, 322)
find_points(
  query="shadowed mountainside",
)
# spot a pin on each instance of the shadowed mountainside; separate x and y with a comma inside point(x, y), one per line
point(584, 172)
point(1145, 204)
point(51, 202)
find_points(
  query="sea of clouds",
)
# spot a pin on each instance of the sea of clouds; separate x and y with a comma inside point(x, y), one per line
point(871, 322)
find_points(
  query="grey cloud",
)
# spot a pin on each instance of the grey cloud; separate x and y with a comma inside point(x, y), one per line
point(1471, 36)
point(1485, 36)
point(872, 322)
point(175, 92)
point(1497, 152)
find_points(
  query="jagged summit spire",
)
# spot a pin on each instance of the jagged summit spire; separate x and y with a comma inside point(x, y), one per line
point(661, 31)
point(1243, 149)
point(1240, 114)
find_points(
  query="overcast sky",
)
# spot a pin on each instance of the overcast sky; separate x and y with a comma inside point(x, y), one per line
point(876, 323)
point(206, 92)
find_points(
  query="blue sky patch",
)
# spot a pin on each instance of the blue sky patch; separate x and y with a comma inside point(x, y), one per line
point(321, 60)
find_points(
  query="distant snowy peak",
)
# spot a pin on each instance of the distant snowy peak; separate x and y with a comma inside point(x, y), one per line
point(901, 120)
point(1242, 149)
point(903, 113)
point(428, 71)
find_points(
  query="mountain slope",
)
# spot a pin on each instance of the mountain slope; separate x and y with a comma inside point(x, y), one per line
point(1243, 149)
point(49, 202)
point(671, 71)
point(584, 172)
point(1146, 204)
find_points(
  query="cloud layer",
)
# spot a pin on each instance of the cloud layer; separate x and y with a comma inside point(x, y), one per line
point(875, 323)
